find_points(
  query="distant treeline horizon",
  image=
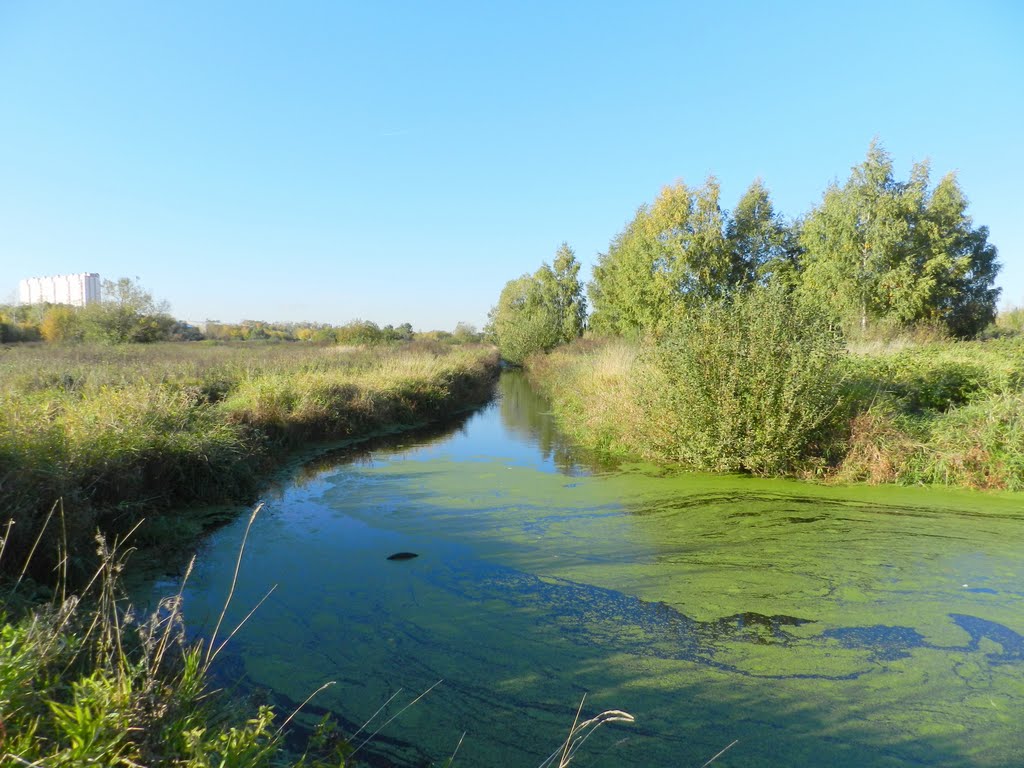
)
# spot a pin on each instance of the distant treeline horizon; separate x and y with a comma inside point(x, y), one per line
point(128, 313)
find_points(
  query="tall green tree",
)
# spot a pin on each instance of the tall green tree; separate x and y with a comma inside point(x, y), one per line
point(672, 254)
point(883, 250)
point(959, 262)
point(536, 312)
point(763, 247)
point(565, 292)
point(525, 319)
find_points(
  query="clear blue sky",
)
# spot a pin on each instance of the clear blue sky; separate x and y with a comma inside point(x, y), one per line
point(398, 162)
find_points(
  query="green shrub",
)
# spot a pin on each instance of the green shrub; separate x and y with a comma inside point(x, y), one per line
point(917, 384)
point(746, 384)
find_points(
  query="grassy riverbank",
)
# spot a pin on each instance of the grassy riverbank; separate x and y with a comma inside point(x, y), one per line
point(113, 434)
point(100, 437)
point(945, 413)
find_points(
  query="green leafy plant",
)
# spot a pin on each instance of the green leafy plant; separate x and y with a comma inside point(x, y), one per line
point(745, 384)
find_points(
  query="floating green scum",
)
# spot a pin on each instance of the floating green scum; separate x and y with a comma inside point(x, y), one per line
point(815, 625)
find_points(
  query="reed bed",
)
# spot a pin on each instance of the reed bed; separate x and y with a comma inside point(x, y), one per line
point(118, 432)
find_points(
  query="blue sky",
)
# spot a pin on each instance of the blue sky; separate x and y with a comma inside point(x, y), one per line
point(399, 162)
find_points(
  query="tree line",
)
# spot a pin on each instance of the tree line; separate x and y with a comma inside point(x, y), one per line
point(541, 310)
point(876, 252)
point(129, 314)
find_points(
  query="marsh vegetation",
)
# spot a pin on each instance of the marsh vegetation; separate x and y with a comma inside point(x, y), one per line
point(939, 412)
point(117, 433)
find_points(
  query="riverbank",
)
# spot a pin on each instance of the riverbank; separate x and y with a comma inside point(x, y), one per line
point(98, 437)
point(104, 436)
point(940, 413)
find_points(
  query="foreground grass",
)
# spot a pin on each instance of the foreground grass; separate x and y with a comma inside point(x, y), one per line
point(118, 432)
point(84, 680)
point(945, 413)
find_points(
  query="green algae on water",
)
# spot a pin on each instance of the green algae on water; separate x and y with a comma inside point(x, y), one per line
point(817, 625)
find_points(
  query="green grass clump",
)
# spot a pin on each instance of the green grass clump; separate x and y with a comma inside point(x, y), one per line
point(118, 432)
point(944, 413)
point(978, 445)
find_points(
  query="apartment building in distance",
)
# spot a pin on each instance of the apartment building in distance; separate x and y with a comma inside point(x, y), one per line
point(76, 290)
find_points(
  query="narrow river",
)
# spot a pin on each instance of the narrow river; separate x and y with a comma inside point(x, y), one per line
point(815, 626)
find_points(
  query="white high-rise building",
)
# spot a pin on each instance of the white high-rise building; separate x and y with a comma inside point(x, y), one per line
point(76, 290)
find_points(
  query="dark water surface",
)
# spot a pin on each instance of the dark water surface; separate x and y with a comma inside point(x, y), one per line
point(818, 626)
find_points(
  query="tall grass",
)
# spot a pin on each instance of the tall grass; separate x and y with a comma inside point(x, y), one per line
point(1009, 322)
point(910, 411)
point(594, 387)
point(116, 432)
point(947, 414)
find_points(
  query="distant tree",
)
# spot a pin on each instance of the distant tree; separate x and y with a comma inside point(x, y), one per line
point(538, 311)
point(127, 313)
point(563, 283)
point(525, 319)
point(21, 322)
point(405, 332)
point(182, 331)
point(324, 336)
point(359, 332)
point(878, 249)
point(440, 337)
point(14, 329)
point(62, 323)
point(672, 255)
point(466, 333)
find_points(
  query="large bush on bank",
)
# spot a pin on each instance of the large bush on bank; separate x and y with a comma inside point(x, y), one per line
point(746, 383)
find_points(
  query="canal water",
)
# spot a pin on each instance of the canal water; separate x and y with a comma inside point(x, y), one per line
point(810, 625)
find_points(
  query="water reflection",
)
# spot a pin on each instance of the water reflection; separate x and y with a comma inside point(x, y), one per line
point(526, 413)
point(308, 468)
